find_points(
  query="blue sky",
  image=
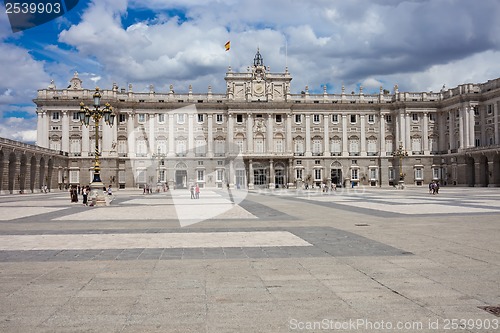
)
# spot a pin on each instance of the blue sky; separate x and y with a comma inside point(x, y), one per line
point(418, 44)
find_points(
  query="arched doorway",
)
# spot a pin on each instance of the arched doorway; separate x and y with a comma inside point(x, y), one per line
point(181, 175)
point(22, 173)
point(49, 174)
point(12, 172)
point(483, 171)
point(260, 173)
point(279, 175)
point(336, 173)
point(32, 173)
point(41, 181)
point(496, 170)
point(470, 172)
point(240, 171)
point(1, 170)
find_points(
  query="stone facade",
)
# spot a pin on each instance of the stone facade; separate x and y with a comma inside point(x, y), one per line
point(27, 168)
point(258, 134)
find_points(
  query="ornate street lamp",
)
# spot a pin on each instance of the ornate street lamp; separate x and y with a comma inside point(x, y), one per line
point(401, 153)
point(97, 113)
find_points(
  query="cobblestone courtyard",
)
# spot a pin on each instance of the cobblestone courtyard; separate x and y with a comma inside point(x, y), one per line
point(361, 260)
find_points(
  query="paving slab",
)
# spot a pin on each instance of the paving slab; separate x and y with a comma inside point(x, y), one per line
point(261, 261)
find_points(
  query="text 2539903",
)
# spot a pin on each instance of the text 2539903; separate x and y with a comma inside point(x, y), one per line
point(32, 8)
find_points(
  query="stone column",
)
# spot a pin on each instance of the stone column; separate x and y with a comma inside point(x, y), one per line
point(210, 136)
point(345, 151)
point(249, 133)
point(400, 132)
point(382, 135)
point(441, 117)
point(289, 141)
point(451, 133)
point(425, 134)
point(308, 135)
point(85, 140)
point(472, 124)
point(495, 123)
point(152, 134)
point(461, 128)
point(107, 137)
point(270, 132)
point(363, 135)
point(271, 174)
point(39, 128)
point(190, 147)
point(230, 133)
point(291, 178)
point(408, 147)
point(250, 175)
point(131, 134)
point(231, 174)
point(65, 131)
point(326, 136)
point(171, 136)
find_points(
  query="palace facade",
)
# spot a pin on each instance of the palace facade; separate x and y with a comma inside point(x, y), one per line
point(259, 134)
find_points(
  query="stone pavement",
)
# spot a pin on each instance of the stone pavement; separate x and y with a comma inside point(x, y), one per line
point(356, 260)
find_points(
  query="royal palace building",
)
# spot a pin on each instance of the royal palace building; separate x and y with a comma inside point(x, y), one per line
point(258, 134)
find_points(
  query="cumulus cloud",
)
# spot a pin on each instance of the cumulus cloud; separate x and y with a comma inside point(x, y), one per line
point(418, 44)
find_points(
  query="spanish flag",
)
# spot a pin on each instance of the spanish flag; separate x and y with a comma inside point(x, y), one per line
point(228, 45)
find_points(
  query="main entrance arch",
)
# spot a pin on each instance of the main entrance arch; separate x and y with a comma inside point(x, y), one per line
point(336, 173)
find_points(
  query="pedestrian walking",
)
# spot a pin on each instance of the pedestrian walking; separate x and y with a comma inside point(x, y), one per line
point(197, 191)
point(85, 195)
point(192, 192)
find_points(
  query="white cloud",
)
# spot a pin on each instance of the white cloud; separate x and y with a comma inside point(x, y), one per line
point(418, 44)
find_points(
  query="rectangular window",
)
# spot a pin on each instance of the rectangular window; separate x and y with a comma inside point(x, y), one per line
point(490, 109)
point(278, 118)
point(298, 173)
point(353, 118)
point(317, 174)
point(436, 173)
point(316, 118)
point(432, 116)
point(335, 118)
point(200, 118)
point(239, 118)
point(419, 174)
point(388, 118)
point(55, 115)
point(75, 116)
point(220, 175)
point(298, 118)
point(201, 175)
point(161, 118)
point(299, 162)
point(414, 116)
point(371, 118)
point(180, 118)
point(141, 117)
point(373, 174)
point(219, 118)
point(122, 118)
point(354, 174)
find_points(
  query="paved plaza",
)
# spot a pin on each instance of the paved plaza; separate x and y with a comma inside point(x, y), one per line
point(353, 260)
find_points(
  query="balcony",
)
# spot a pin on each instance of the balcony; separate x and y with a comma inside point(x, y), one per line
point(298, 154)
point(336, 154)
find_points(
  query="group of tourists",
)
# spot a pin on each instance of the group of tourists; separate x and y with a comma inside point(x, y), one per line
point(76, 190)
point(195, 191)
point(434, 188)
